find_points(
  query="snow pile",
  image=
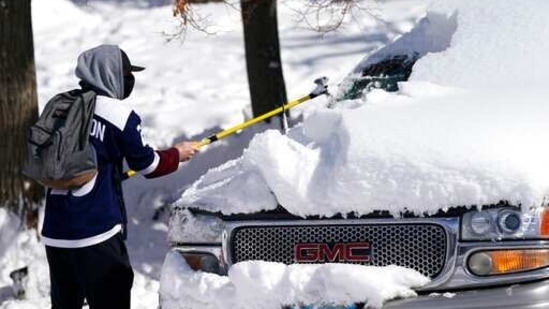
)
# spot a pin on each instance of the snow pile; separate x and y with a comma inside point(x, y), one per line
point(496, 45)
point(485, 148)
point(432, 34)
point(268, 285)
point(446, 139)
point(21, 249)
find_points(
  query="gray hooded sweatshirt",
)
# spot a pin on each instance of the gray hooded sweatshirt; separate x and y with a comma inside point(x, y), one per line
point(101, 67)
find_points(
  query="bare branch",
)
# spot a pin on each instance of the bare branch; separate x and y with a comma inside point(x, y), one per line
point(188, 17)
point(328, 15)
point(323, 16)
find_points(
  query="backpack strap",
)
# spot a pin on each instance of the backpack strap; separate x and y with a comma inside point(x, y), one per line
point(117, 181)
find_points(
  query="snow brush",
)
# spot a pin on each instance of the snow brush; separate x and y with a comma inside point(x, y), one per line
point(320, 89)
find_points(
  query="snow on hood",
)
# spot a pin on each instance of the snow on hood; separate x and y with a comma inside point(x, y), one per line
point(399, 153)
point(465, 130)
point(496, 45)
point(269, 285)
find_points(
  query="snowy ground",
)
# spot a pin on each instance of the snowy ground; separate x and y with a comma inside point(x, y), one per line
point(189, 90)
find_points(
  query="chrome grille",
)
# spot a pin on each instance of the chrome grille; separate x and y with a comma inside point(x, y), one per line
point(421, 247)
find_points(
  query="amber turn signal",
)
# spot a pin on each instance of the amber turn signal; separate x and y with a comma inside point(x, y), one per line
point(501, 262)
point(544, 224)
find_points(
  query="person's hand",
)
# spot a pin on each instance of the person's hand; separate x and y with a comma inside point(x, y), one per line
point(186, 150)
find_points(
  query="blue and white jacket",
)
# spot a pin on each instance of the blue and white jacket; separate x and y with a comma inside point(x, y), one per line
point(93, 213)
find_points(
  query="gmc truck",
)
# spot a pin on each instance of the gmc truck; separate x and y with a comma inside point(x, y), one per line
point(477, 256)
point(493, 258)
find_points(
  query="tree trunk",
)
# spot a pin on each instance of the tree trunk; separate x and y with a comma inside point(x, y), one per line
point(18, 106)
point(265, 78)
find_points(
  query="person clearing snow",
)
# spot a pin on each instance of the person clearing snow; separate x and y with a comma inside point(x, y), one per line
point(84, 228)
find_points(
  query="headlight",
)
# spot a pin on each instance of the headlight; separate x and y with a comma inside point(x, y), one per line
point(505, 223)
point(481, 223)
point(185, 226)
point(509, 221)
point(203, 261)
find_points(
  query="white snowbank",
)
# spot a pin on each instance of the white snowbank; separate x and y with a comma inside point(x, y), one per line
point(21, 249)
point(397, 153)
point(497, 44)
point(268, 285)
point(448, 138)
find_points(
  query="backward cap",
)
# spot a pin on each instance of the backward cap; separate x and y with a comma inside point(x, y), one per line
point(127, 66)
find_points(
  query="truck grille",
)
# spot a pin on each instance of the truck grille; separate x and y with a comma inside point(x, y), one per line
point(421, 247)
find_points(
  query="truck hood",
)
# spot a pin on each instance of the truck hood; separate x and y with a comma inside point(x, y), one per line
point(403, 153)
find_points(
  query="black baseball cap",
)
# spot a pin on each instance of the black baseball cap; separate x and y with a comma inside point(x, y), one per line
point(127, 66)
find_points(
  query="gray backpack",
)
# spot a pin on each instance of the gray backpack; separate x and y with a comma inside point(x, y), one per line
point(59, 155)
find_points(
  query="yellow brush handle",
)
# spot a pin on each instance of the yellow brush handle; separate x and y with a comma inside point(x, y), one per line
point(129, 174)
point(221, 135)
point(230, 131)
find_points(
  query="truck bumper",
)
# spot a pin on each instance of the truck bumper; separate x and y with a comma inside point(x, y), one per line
point(518, 296)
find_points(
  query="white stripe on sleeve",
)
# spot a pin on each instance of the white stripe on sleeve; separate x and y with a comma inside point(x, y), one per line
point(152, 167)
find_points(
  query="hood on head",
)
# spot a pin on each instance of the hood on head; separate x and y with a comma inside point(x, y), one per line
point(101, 68)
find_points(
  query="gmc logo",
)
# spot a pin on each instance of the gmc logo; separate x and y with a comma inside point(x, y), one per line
point(337, 252)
